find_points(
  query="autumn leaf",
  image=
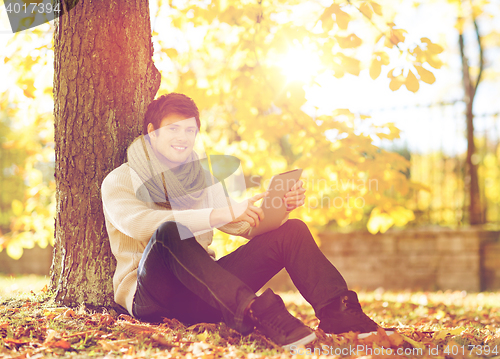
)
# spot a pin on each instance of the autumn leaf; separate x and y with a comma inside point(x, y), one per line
point(414, 343)
point(425, 75)
point(432, 47)
point(412, 82)
point(369, 7)
point(350, 41)
point(366, 9)
point(379, 221)
point(63, 344)
point(396, 81)
point(341, 18)
point(377, 8)
point(454, 350)
point(442, 334)
point(396, 339)
point(375, 69)
point(171, 53)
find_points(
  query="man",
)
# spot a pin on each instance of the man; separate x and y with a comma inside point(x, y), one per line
point(160, 209)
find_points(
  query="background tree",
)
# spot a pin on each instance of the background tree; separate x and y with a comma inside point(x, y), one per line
point(104, 79)
point(477, 213)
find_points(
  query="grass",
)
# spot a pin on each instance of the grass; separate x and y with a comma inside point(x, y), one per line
point(21, 285)
point(429, 324)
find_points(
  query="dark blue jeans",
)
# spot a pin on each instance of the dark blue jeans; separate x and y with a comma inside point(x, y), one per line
point(178, 279)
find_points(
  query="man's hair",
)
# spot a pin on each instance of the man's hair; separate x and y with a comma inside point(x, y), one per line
point(167, 104)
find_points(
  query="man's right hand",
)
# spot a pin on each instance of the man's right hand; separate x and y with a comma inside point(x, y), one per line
point(252, 214)
point(244, 211)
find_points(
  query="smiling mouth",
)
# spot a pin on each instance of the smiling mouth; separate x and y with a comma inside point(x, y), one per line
point(179, 148)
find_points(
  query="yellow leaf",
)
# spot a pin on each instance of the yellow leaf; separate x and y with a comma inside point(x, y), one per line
point(460, 25)
point(432, 47)
point(338, 71)
point(376, 8)
point(388, 43)
point(396, 36)
point(17, 207)
point(382, 57)
point(414, 343)
point(375, 69)
point(342, 18)
point(393, 131)
point(402, 216)
point(399, 35)
point(454, 350)
point(343, 112)
point(202, 337)
point(379, 222)
point(396, 339)
point(170, 52)
point(442, 334)
point(396, 82)
point(425, 75)
point(178, 21)
point(326, 19)
point(412, 82)
point(434, 62)
point(14, 251)
point(348, 41)
point(350, 64)
point(232, 15)
point(366, 10)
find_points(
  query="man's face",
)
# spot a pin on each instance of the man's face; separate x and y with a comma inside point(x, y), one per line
point(173, 142)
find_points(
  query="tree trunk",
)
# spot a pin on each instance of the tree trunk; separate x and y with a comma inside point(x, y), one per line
point(104, 80)
point(476, 211)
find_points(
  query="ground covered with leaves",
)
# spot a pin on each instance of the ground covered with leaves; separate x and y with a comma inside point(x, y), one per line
point(436, 324)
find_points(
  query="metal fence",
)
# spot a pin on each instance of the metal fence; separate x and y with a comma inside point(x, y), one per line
point(433, 137)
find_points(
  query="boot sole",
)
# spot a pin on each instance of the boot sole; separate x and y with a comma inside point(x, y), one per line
point(366, 335)
point(302, 341)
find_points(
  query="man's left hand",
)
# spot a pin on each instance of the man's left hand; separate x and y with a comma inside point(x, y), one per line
point(295, 197)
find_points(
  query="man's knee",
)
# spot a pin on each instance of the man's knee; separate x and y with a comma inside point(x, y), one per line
point(297, 225)
point(172, 231)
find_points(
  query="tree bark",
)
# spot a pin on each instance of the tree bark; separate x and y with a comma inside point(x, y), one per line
point(104, 80)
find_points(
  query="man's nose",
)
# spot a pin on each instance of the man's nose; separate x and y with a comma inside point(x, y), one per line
point(182, 135)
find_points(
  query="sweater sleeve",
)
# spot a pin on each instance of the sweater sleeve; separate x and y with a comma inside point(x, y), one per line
point(135, 218)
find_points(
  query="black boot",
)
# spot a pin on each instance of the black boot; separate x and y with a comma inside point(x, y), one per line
point(271, 317)
point(345, 315)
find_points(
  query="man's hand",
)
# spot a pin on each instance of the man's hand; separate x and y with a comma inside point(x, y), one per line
point(245, 211)
point(251, 214)
point(295, 197)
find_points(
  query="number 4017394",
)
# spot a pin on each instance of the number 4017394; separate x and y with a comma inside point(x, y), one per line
point(471, 349)
point(32, 8)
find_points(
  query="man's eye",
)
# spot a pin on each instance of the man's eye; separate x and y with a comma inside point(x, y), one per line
point(172, 128)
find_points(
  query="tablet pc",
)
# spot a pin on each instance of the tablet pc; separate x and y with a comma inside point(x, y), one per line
point(272, 205)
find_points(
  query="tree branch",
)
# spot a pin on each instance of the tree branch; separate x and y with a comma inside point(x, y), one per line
point(481, 56)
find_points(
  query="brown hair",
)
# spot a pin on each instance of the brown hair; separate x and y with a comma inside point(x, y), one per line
point(167, 104)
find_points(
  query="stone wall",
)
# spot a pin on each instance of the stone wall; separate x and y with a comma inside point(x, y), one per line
point(490, 264)
point(418, 259)
point(34, 261)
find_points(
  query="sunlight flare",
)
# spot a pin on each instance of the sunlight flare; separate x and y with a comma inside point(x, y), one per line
point(300, 64)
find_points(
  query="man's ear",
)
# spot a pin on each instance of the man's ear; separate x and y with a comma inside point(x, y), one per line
point(151, 129)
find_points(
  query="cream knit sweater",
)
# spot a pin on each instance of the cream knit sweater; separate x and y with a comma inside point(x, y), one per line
point(131, 222)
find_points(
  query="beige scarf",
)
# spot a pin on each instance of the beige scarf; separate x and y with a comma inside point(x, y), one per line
point(182, 188)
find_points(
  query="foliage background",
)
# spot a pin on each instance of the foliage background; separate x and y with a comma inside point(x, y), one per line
point(251, 68)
